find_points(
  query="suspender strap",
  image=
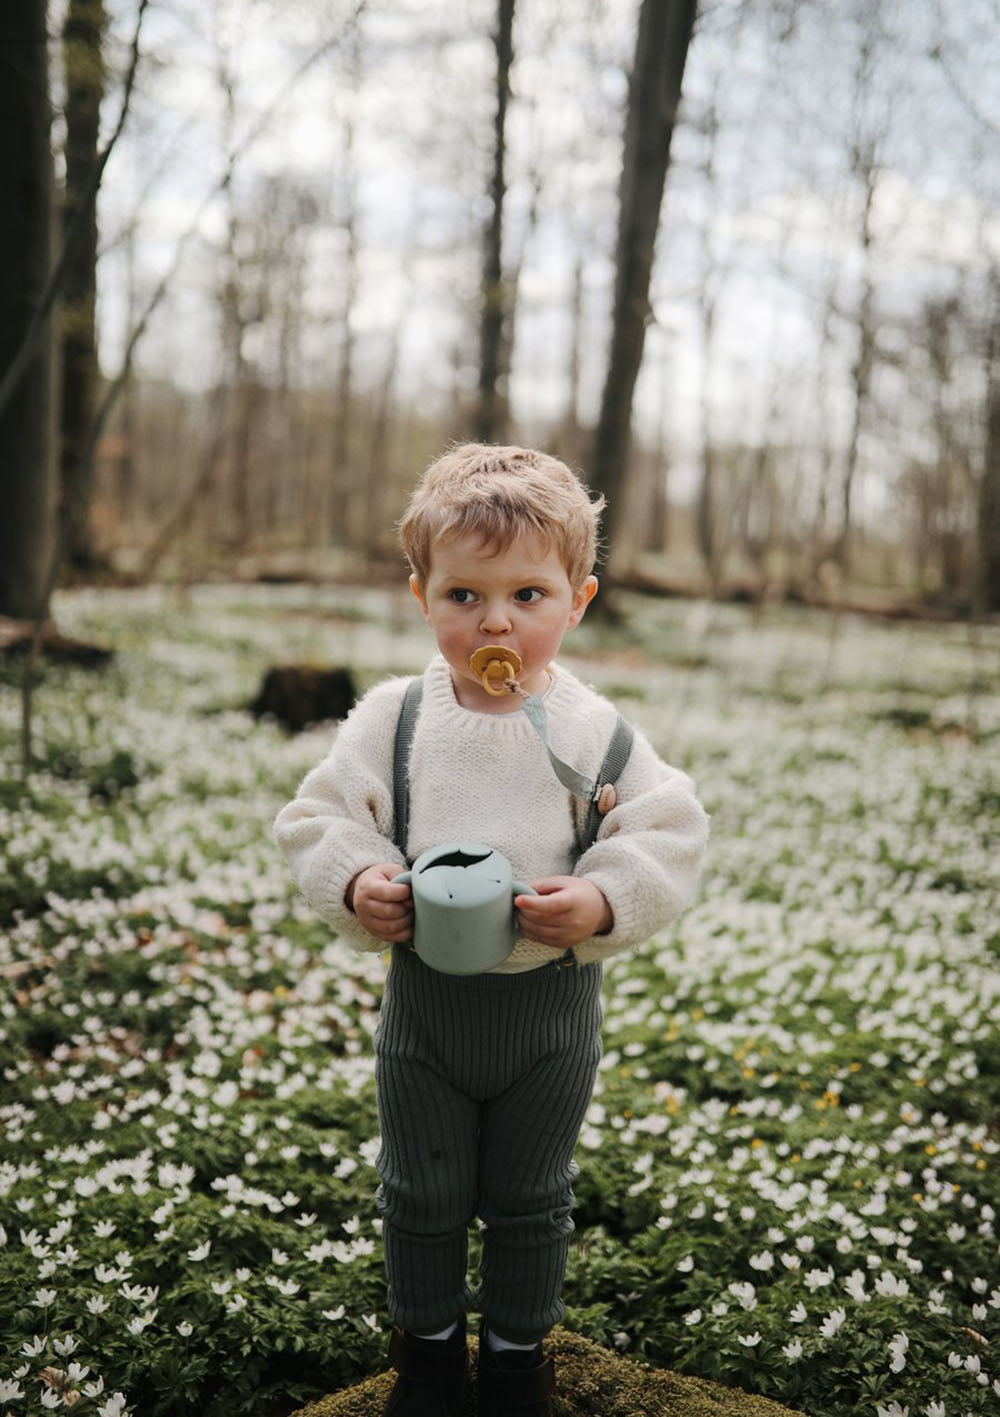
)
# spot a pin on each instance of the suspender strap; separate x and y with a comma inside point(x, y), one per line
point(405, 725)
point(619, 751)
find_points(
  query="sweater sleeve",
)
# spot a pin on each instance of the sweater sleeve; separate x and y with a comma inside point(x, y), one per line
point(648, 854)
point(341, 819)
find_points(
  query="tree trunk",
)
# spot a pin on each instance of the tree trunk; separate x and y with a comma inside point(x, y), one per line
point(862, 370)
point(83, 61)
point(348, 499)
point(343, 524)
point(707, 519)
point(657, 529)
point(818, 548)
point(988, 518)
point(865, 143)
point(125, 463)
point(491, 413)
point(663, 36)
point(570, 436)
point(27, 471)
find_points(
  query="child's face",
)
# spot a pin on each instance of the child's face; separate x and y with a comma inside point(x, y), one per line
point(520, 597)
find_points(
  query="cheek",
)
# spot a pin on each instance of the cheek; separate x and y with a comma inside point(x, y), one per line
point(450, 632)
point(545, 633)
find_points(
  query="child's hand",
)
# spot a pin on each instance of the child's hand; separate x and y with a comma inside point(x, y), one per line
point(382, 907)
point(566, 910)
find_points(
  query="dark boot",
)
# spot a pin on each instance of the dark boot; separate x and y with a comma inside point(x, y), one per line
point(432, 1374)
point(515, 1382)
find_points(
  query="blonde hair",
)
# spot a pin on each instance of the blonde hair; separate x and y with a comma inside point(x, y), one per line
point(498, 493)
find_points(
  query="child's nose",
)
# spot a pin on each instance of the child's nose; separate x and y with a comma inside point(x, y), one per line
point(495, 619)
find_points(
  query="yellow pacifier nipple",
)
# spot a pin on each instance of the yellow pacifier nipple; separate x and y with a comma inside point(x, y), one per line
point(498, 667)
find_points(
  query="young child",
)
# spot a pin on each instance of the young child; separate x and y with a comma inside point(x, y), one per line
point(483, 1080)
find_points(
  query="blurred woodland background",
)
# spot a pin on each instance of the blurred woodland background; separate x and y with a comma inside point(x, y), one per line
point(738, 261)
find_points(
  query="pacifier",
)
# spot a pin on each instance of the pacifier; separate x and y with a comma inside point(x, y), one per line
point(498, 667)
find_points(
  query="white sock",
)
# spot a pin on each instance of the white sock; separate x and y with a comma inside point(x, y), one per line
point(499, 1345)
point(444, 1333)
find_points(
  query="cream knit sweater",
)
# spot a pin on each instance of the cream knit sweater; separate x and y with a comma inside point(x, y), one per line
point(483, 777)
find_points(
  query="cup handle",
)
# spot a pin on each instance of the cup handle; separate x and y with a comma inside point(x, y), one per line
point(519, 888)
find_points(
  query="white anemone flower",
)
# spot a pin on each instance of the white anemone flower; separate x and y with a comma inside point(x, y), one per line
point(898, 1347)
point(832, 1322)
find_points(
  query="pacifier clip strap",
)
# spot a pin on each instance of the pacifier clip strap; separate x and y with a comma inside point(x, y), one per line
point(600, 795)
point(498, 667)
point(575, 781)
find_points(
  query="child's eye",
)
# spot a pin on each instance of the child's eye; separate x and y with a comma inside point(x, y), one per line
point(461, 596)
point(528, 596)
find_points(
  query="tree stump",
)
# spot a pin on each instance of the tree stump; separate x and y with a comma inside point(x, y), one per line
point(592, 1382)
point(16, 637)
point(297, 695)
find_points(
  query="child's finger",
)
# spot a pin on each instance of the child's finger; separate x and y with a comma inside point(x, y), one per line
point(389, 890)
point(389, 910)
point(552, 938)
point(400, 928)
point(395, 936)
point(550, 885)
point(543, 907)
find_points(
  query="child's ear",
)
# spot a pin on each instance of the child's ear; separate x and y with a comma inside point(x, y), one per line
point(581, 600)
point(418, 592)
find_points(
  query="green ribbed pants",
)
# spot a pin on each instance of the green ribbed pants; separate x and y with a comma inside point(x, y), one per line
point(483, 1082)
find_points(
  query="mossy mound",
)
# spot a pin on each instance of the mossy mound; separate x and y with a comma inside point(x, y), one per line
point(593, 1382)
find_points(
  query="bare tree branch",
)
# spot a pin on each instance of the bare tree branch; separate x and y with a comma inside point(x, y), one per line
point(942, 59)
point(163, 285)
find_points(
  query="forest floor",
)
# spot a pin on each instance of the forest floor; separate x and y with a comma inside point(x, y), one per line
point(790, 1170)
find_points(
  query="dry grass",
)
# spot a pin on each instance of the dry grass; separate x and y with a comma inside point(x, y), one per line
point(593, 1382)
